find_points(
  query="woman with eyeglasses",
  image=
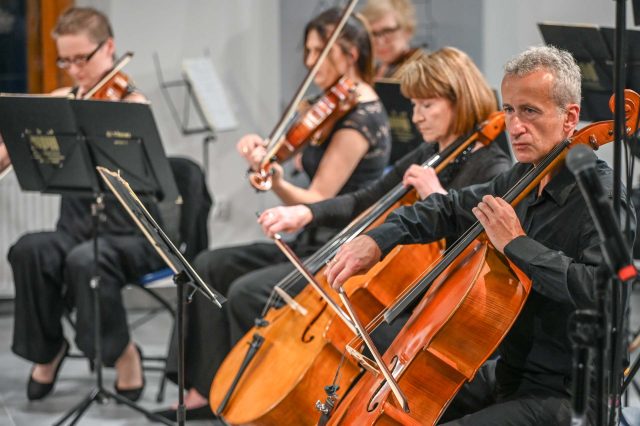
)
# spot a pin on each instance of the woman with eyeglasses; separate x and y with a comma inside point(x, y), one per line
point(392, 25)
point(53, 269)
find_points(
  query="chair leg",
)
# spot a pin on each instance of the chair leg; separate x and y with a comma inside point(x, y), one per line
point(161, 388)
point(170, 309)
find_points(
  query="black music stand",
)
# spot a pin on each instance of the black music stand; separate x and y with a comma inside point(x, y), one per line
point(586, 44)
point(182, 270)
point(404, 135)
point(592, 47)
point(55, 145)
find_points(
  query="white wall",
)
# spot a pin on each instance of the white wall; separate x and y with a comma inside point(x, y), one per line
point(242, 37)
point(255, 46)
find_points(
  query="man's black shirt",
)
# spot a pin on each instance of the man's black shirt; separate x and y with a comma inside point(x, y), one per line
point(560, 253)
point(480, 166)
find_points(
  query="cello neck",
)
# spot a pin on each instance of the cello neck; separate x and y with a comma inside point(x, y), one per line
point(596, 135)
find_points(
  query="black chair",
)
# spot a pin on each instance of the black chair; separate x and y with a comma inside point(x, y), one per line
point(191, 237)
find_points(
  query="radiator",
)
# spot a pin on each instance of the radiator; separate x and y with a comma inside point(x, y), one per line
point(21, 212)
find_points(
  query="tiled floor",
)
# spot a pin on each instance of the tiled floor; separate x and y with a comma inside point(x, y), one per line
point(75, 382)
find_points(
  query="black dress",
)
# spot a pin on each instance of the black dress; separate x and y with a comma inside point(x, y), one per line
point(52, 270)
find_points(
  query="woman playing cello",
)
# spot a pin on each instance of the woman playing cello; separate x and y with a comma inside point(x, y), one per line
point(355, 152)
point(450, 96)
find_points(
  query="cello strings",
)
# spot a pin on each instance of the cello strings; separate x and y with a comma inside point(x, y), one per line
point(317, 261)
point(509, 196)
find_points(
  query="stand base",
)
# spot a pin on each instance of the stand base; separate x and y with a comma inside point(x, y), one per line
point(101, 396)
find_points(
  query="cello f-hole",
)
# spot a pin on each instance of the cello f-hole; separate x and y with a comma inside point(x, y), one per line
point(395, 368)
point(306, 338)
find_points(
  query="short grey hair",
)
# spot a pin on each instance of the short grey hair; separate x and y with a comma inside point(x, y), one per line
point(566, 87)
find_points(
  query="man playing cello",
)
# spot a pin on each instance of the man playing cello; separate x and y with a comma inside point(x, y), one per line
point(549, 235)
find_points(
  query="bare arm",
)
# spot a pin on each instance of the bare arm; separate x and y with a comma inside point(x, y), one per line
point(5, 161)
point(346, 149)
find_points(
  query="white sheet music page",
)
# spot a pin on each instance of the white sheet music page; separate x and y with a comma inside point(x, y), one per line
point(209, 92)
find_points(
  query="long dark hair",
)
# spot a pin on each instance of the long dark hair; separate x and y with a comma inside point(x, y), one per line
point(354, 34)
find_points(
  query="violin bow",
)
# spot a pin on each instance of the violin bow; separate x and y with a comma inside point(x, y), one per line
point(276, 134)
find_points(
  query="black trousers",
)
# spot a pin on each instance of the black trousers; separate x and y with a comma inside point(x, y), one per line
point(480, 403)
point(52, 270)
point(246, 275)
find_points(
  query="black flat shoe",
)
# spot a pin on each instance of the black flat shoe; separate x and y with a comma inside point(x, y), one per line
point(200, 413)
point(37, 390)
point(133, 394)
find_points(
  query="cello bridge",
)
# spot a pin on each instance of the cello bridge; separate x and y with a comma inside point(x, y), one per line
point(366, 362)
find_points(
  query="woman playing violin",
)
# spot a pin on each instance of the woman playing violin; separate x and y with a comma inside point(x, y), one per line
point(44, 262)
point(354, 153)
point(86, 55)
point(450, 97)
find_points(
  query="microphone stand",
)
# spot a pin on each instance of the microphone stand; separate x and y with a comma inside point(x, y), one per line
point(618, 294)
point(581, 161)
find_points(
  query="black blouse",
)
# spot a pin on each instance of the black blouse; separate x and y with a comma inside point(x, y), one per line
point(480, 166)
point(370, 119)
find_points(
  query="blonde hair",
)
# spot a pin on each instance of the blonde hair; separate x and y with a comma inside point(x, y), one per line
point(403, 11)
point(449, 73)
point(90, 21)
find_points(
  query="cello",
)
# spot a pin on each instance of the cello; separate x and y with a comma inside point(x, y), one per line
point(304, 349)
point(469, 302)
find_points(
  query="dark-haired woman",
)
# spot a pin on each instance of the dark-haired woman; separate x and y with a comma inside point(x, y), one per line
point(355, 153)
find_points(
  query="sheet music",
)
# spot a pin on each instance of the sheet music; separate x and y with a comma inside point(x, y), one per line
point(208, 90)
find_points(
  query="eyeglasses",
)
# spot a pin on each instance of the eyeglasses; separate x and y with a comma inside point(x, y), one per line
point(79, 60)
point(385, 32)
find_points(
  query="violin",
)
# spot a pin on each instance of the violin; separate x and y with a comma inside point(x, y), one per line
point(114, 85)
point(261, 179)
point(468, 302)
point(302, 347)
point(313, 126)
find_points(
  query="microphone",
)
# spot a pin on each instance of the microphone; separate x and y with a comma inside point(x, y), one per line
point(581, 161)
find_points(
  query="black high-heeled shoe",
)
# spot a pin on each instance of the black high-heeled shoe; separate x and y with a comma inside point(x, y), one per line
point(200, 413)
point(133, 394)
point(37, 390)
